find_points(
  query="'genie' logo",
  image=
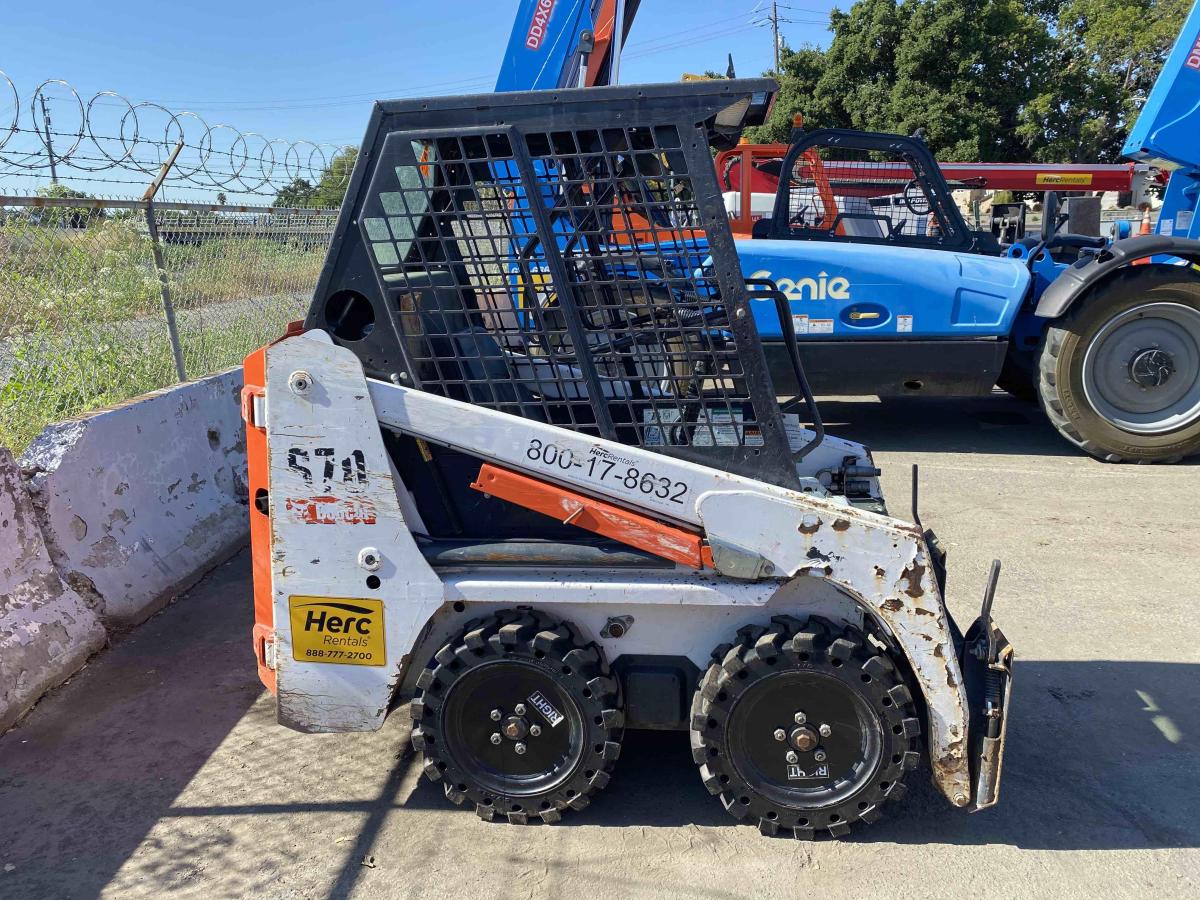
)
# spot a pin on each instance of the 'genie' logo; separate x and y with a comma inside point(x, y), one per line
point(820, 288)
point(537, 25)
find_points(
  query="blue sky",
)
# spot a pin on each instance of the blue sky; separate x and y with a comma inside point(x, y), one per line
point(309, 70)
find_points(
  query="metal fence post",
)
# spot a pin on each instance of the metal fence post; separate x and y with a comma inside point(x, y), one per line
point(165, 289)
point(159, 263)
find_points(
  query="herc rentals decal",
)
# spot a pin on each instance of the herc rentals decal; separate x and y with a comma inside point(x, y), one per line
point(1077, 178)
point(337, 630)
point(537, 25)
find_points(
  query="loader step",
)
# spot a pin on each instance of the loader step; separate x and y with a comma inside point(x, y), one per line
point(582, 555)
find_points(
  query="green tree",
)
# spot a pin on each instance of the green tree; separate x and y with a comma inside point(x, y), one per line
point(297, 195)
point(1108, 54)
point(990, 80)
point(965, 70)
point(329, 190)
point(800, 71)
point(64, 216)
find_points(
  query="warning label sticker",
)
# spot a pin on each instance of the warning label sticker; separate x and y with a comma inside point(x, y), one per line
point(337, 630)
point(904, 323)
point(820, 326)
point(712, 428)
point(800, 324)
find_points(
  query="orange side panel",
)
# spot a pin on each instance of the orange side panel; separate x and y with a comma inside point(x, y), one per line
point(634, 529)
point(255, 371)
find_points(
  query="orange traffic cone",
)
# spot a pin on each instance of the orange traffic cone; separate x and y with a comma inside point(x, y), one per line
point(1147, 228)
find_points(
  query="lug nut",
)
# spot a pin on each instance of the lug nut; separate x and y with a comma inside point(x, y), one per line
point(519, 709)
point(800, 718)
point(825, 730)
point(495, 715)
point(819, 756)
point(792, 757)
point(535, 730)
point(495, 738)
point(780, 734)
point(520, 748)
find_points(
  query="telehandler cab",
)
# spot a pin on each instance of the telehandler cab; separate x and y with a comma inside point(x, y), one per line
point(524, 475)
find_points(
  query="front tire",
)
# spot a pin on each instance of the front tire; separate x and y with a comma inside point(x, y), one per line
point(519, 717)
point(804, 728)
point(1119, 375)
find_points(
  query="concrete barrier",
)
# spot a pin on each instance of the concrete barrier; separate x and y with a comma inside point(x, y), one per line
point(138, 501)
point(47, 630)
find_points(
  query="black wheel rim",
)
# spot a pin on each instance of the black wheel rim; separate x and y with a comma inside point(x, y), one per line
point(852, 749)
point(549, 758)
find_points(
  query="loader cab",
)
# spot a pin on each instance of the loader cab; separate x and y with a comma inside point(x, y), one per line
point(890, 291)
point(867, 187)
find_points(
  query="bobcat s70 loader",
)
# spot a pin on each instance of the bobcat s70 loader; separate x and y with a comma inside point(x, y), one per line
point(523, 474)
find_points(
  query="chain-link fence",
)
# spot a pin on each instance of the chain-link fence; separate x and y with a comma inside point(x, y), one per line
point(101, 300)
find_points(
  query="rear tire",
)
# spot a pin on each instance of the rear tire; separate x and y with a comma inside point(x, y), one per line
point(559, 725)
point(822, 775)
point(1119, 374)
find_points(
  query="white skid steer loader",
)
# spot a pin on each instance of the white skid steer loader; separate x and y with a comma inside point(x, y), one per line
point(522, 472)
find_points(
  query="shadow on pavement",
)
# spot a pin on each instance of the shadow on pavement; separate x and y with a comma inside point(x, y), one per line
point(89, 772)
point(1101, 756)
point(998, 424)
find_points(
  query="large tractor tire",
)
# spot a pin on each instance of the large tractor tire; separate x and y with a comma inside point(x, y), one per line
point(520, 718)
point(804, 728)
point(1119, 375)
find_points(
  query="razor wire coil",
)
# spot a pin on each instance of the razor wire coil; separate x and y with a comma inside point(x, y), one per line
point(111, 133)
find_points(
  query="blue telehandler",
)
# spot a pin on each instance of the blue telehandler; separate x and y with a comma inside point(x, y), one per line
point(892, 293)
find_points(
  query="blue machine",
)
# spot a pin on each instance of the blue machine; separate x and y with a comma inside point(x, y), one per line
point(892, 293)
point(1166, 133)
point(564, 43)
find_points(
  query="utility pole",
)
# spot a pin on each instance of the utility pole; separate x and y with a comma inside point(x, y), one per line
point(774, 32)
point(774, 20)
point(49, 146)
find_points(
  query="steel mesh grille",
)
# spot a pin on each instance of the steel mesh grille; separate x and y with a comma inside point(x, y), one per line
point(537, 272)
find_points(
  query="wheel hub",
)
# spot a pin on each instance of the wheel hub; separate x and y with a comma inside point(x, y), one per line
point(1151, 368)
point(810, 767)
point(803, 739)
point(510, 754)
point(515, 728)
point(1141, 370)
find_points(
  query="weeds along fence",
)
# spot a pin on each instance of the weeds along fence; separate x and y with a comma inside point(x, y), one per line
point(102, 299)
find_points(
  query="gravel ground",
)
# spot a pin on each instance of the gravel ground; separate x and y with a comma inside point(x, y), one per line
point(159, 770)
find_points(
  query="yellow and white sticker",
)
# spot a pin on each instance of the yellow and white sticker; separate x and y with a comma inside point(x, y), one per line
point(346, 631)
point(1078, 178)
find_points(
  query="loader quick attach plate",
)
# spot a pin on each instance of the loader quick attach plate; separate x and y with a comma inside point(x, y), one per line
point(563, 256)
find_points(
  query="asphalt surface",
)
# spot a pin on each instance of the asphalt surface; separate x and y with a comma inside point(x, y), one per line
point(158, 770)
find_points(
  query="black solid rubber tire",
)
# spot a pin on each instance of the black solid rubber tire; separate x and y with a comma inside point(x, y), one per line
point(581, 670)
point(1060, 366)
point(820, 646)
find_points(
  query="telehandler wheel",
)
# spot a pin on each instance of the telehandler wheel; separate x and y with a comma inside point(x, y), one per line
point(517, 716)
point(1119, 375)
point(803, 727)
